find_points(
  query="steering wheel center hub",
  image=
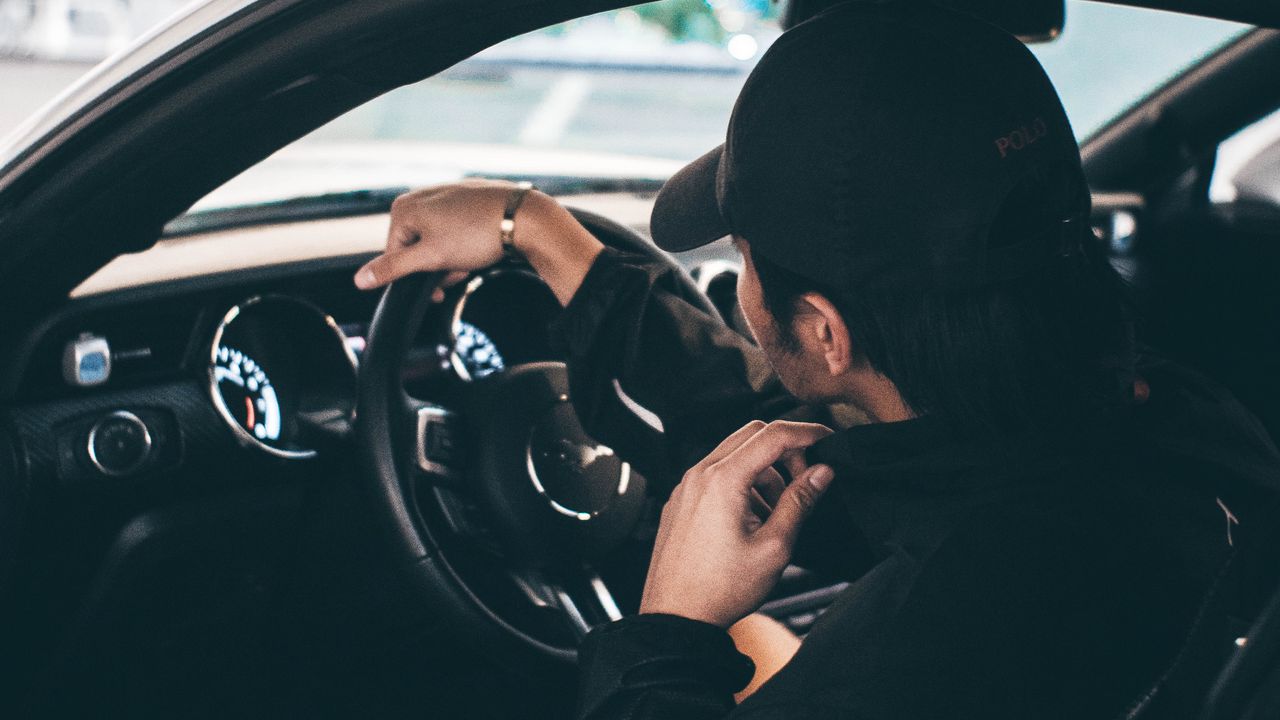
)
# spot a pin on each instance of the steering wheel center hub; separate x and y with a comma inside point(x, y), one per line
point(554, 494)
point(578, 477)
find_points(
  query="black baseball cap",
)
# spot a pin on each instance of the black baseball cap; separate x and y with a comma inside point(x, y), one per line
point(889, 145)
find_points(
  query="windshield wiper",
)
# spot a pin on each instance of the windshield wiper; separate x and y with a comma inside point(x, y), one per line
point(314, 207)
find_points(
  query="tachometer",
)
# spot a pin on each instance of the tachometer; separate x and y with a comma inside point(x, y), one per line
point(247, 392)
point(501, 319)
point(475, 352)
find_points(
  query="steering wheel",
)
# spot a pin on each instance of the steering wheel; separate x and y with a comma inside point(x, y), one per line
point(502, 511)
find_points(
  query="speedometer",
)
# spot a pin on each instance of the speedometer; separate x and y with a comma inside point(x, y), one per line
point(248, 394)
point(282, 376)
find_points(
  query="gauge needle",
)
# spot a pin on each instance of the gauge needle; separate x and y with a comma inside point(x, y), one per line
point(250, 417)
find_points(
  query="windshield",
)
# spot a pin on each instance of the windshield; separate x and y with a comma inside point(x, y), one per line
point(1109, 57)
point(637, 92)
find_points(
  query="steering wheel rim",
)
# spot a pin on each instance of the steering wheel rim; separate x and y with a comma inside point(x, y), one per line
point(383, 425)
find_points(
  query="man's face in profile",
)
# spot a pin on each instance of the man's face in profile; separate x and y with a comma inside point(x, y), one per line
point(800, 367)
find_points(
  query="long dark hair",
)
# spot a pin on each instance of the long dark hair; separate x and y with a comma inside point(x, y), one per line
point(1042, 351)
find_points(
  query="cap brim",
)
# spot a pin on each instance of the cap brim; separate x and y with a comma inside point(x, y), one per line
point(687, 214)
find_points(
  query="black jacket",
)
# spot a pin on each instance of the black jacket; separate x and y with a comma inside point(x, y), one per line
point(1030, 576)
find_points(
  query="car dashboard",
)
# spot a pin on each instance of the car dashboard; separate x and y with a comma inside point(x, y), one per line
point(181, 419)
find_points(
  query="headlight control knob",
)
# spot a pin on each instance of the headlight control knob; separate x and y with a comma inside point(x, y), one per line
point(119, 444)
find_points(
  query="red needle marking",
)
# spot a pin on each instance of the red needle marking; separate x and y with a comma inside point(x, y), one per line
point(248, 406)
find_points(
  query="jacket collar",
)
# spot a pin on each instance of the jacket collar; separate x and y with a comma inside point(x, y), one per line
point(906, 483)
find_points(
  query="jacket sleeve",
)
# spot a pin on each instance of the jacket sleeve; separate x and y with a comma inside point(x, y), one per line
point(659, 666)
point(651, 667)
point(633, 330)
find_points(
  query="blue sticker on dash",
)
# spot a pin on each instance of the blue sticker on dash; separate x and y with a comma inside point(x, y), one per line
point(93, 368)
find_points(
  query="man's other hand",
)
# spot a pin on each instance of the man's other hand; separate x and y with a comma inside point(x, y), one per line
point(728, 530)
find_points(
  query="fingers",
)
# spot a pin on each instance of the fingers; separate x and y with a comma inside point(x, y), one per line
point(765, 491)
point(731, 443)
point(454, 278)
point(453, 227)
point(766, 446)
point(796, 503)
point(769, 484)
point(795, 463)
point(449, 281)
point(759, 507)
point(389, 267)
point(401, 235)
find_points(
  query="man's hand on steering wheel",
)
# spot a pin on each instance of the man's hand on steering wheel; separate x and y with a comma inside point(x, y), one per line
point(455, 229)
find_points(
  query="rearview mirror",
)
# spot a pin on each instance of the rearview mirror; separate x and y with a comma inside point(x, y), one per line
point(1032, 21)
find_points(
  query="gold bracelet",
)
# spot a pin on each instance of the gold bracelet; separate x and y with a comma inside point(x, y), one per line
point(507, 230)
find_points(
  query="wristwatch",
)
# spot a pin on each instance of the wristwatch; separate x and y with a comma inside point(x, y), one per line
point(507, 230)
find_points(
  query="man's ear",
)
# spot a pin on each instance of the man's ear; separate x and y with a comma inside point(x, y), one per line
point(821, 328)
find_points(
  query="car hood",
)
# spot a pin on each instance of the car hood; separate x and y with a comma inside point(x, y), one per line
point(314, 169)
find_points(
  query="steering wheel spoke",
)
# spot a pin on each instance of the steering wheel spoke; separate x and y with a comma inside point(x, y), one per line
point(437, 447)
point(582, 597)
point(586, 601)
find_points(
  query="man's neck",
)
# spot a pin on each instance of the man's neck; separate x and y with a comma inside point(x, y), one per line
point(878, 398)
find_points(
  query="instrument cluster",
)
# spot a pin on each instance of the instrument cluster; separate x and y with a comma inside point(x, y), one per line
point(282, 374)
point(501, 318)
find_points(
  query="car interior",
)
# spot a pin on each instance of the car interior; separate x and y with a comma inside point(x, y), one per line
point(233, 484)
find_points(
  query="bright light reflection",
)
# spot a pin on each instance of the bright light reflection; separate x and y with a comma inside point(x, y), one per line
point(743, 47)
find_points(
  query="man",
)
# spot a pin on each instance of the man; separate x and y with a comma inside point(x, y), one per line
point(1034, 518)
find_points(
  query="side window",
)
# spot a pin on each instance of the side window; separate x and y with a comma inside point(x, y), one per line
point(1248, 166)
